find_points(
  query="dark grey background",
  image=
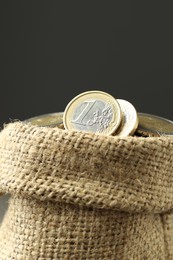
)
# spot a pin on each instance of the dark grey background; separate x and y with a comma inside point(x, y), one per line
point(53, 50)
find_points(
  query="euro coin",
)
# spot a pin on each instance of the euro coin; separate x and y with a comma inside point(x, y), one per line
point(93, 111)
point(53, 119)
point(130, 119)
point(151, 125)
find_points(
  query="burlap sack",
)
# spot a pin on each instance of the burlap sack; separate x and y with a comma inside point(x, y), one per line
point(85, 196)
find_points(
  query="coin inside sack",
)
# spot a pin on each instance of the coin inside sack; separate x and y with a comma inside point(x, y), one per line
point(53, 119)
point(93, 111)
point(130, 119)
point(151, 125)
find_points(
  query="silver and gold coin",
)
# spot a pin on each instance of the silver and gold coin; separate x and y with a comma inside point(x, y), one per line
point(130, 119)
point(93, 111)
point(151, 125)
point(53, 119)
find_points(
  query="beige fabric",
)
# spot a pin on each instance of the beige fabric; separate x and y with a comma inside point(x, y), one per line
point(85, 196)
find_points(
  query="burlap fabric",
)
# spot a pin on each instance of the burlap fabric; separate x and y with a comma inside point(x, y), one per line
point(85, 196)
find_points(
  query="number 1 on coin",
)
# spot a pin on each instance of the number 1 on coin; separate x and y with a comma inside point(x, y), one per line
point(81, 117)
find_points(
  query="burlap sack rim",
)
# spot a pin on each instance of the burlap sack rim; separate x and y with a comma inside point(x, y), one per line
point(83, 171)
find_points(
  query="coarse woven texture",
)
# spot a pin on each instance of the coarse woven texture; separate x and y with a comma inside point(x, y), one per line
point(79, 196)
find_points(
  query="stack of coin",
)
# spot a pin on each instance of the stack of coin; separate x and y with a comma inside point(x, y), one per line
point(50, 120)
point(101, 113)
point(151, 125)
